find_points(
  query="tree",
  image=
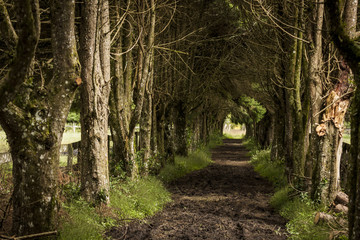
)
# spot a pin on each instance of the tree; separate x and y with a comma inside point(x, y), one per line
point(130, 88)
point(95, 62)
point(344, 34)
point(33, 111)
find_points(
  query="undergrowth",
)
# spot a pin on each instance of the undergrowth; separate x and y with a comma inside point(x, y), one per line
point(292, 204)
point(194, 161)
point(129, 200)
point(138, 199)
point(184, 165)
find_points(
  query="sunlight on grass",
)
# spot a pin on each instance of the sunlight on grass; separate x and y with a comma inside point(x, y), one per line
point(70, 137)
point(80, 221)
point(4, 146)
point(138, 199)
point(346, 138)
point(128, 200)
point(184, 165)
point(234, 134)
point(63, 160)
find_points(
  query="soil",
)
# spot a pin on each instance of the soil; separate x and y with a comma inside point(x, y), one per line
point(226, 200)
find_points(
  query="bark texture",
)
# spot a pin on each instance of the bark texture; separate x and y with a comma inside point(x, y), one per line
point(34, 118)
point(95, 61)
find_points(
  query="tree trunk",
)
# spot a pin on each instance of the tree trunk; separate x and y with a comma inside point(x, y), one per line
point(95, 72)
point(34, 125)
point(146, 128)
point(180, 129)
point(315, 65)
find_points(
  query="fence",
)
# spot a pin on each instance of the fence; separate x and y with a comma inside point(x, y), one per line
point(70, 150)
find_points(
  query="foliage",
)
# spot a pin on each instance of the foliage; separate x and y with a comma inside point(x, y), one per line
point(274, 171)
point(73, 117)
point(129, 200)
point(81, 221)
point(247, 110)
point(138, 199)
point(214, 140)
point(251, 145)
point(294, 206)
point(184, 165)
point(301, 212)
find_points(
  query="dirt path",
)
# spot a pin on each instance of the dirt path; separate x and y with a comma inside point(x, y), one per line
point(226, 200)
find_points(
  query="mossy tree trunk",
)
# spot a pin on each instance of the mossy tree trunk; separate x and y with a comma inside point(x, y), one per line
point(315, 77)
point(329, 128)
point(95, 72)
point(344, 32)
point(34, 117)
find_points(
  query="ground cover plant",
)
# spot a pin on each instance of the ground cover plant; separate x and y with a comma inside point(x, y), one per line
point(130, 200)
point(293, 204)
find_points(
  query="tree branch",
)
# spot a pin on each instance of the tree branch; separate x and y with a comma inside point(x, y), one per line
point(6, 28)
point(29, 25)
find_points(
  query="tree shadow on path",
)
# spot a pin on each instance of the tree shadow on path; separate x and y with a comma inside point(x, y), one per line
point(226, 200)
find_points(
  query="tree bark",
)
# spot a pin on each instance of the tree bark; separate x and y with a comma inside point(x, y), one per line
point(95, 72)
point(343, 39)
point(34, 122)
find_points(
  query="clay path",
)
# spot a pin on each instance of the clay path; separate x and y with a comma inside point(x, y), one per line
point(226, 200)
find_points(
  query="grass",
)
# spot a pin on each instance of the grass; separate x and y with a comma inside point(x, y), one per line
point(70, 137)
point(346, 138)
point(63, 160)
point(194, 161)
point(139, 199)
point(184, 165)
point(293, 205)
point(128, 200)
point(274, 171)
point(4, 146)
point(80, 221)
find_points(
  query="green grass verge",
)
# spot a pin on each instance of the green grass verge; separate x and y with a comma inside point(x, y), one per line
point(292, 205)
point(81, 221)
point(184, 165)
point(233, 136)
point(128, 200)
point(194, 161)
point(139, 199)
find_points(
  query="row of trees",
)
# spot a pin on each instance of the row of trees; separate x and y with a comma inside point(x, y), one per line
point(156, 64)
point(305, 78)
point(175, 69)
